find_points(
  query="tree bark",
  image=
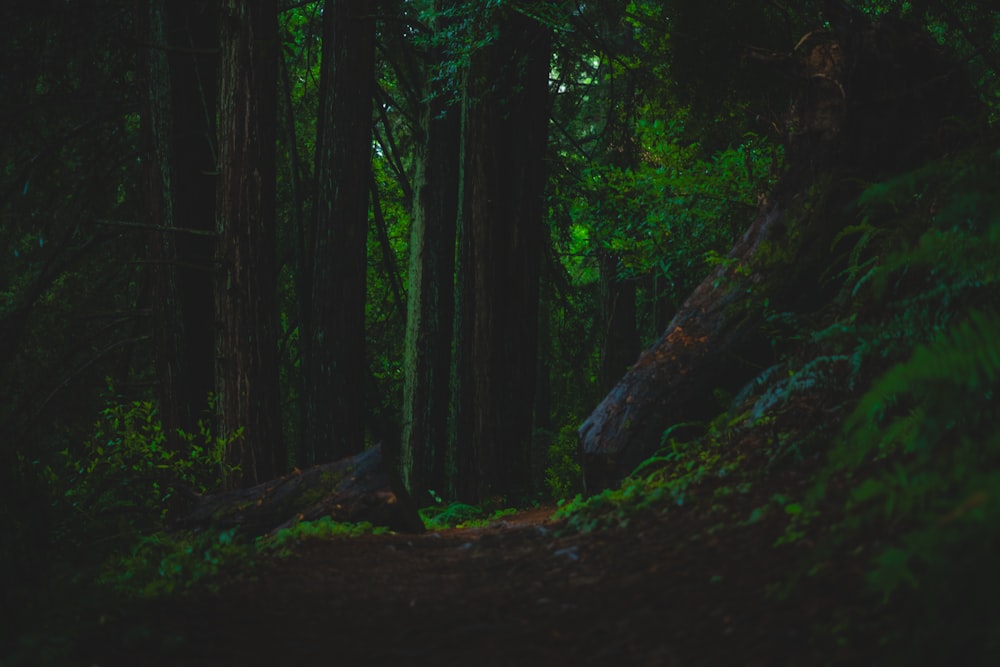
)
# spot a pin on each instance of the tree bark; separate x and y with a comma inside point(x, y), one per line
point(430, 304)
point(178, 162)
point(673, 380)
point(158, 173)
point(335, 353)
point(246, 368)
point(505, 115)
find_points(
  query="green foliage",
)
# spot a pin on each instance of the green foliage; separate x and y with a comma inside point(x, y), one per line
point(126, 478)
point(169, 564)
point(563, 474)
point(321, 529)
point(668, 479)
point(923, 451)
point(178, 563)
point(913, 476)
point(918, 403)
point(670, 215)
point(441, 516)
point(920, 452)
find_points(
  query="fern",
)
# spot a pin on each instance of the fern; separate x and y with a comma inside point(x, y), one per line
point(963, 362)
point(933, 419)
point(920, 452)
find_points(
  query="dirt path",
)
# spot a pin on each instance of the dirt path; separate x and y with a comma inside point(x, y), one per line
point(513, 593)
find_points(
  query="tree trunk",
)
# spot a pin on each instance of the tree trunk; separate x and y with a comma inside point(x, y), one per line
point(505, 114)
point(246, 364)
point(356, 489)
point(673, 379)
point(159, 196)
point(430, 306)
point(335, 361)
point(178, 162)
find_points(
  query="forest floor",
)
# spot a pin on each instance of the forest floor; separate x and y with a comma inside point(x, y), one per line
point(667, 590)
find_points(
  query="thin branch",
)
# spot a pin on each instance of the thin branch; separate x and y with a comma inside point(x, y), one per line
point(392, 153)
point(188, 50)
point(76, 372)
point(388, 257)
point(156, 228)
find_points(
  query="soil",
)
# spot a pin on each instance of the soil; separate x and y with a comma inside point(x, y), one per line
point(667, 590)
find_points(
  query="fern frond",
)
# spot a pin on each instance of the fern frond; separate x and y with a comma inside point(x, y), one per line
point(957, 366)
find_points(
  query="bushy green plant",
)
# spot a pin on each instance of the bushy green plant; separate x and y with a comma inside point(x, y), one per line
point(166, 564)
point(662, 481)
point(562, 472)
point(460, 515)
point(320, 529)
point(169, 564)
point(675, 212)
point(920, 453)
point(126, 478)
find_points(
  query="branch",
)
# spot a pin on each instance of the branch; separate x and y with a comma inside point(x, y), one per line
point(76, 372)
point(156, 228)
point(388, 259)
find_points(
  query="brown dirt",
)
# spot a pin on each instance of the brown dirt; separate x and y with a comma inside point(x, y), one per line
point(669, 590)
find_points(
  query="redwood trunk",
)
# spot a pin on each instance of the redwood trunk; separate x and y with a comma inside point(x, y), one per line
point(334, 358)
point(178, 162)
point(505, 122)
point(430, 309)
point(246, 368)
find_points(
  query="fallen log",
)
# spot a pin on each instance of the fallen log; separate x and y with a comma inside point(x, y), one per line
point(356, 489)
point(705, 347)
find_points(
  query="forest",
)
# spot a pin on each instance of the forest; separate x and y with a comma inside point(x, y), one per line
point(499, 332)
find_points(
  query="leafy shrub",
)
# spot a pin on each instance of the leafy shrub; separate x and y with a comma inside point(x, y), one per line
point(663, 481)
point(460, 515)
point(169, 564)
point(562, 472)
point(163, 565)
point(920, 453)
point(126, 479)
point(321, 529)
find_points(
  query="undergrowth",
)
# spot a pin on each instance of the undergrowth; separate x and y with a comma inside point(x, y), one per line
point(179, 563)
point(667, 479)
point(911, 483)
point(442, 515)
point(126, 479)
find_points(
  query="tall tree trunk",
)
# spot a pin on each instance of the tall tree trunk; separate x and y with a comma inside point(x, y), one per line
point(159, 197)
point(246, 368)
point(179, 164)
point(505, 115)
point(430, 304)
point(336, 367)
point(542, 426)
point(193, 28)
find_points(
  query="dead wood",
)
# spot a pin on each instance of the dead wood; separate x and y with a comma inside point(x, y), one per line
point(356, 489)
